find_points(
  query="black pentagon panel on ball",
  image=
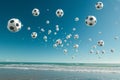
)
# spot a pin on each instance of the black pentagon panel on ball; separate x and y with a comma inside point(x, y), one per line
point(91, 18)
point(58, 12)
point(98, 6)
point(17, 24)
point(11, 21)
point(35, 10)
point(36, 13)
point(13, 25)
point(11, 28)
point(33, 35)
point(90, 24)
point(100, 3)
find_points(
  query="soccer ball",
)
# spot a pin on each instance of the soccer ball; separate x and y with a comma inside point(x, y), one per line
point(49, 32)
point(28, 28)
point(57, 27)
point(90, 39)
point(58, 41)
point(42, 30)
point(69, 36)
point(59, 13)
point(34, 35)
point(65, 51)
point(65, 40)
point(112, 50)
point(14, 25)
point(99, 5)
point(91, 21)
point(94, 47)
point(73, 57)
point(55, 33)
point(103, 51)
point(74, 29)
point(116, 37)
point(101, 43)
point(45, 37)
point(76, 19)
point(35, 12)
point(76, 36)
point(91, 51)
point(54, 45)
point(76, 46)
point(47, 22)
point(67, 44)
point(97, 52)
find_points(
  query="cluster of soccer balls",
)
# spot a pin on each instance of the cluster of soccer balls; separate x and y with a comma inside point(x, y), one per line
point(15, 25)
point(91, 20)
point(100, 43)
point(61, 43)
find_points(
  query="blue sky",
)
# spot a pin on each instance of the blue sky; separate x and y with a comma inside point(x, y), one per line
point(21, 47)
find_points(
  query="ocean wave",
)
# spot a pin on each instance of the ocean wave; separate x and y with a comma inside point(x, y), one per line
point(63, 68)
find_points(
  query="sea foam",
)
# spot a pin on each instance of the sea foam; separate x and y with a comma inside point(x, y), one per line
point(54, 67)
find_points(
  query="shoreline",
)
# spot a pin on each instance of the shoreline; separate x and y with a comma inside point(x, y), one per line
point(16, 74)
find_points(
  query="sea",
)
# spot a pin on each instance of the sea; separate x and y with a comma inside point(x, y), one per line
point(58, 71)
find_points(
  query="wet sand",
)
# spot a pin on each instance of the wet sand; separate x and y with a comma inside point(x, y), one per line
point(20, 74)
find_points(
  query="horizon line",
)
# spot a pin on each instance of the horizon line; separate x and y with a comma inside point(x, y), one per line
point(60, 62)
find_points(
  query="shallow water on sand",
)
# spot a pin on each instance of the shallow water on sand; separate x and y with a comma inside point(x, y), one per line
point(19, 74)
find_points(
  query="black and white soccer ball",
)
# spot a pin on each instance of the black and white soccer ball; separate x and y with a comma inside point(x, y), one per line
point(76, 46)
point(59, 42)
point(103, 51)
point(59, 13)
point(76, 36)
point(99, 5)
point(100, 43)
point(34, 35)
point(35, 12)
point(14, 25)
point(112, 50)
point(91, 21)
point(65, 51)
point(91, 51)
